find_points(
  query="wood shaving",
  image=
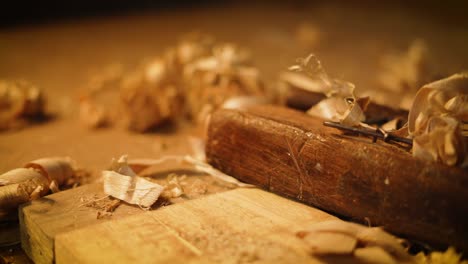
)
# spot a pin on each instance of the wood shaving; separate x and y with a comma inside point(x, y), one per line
point(437, 121)
point(20, 103)
point(322, 243)
point(449, 256)
point(393, 125)
point(174, 186)
point(373, 255)
point(341, 104)
point(122, 183)
point(97, 106)
point(198, 165)
point(293, 82)
point(344, 238)
point(33, 181)
point(243, 102)
point(57, 169)
point(191, 79)
point(212, 80)
point(312, 67)
point(80, 177)
point(197, 161)
point(22, 185)
point(150, 96)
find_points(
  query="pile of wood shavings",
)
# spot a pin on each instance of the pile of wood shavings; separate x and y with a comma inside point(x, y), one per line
point(191, 79)
point(366, 245)
point(450, 256)
point(34, 180)
point(20, 103)
point(437, 120)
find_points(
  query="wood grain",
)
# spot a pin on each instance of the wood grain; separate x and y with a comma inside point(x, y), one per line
point(43, 219)
point(292, 154)
point(241, 225)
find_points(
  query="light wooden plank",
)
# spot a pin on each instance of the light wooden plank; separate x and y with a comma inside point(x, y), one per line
point(241, 225)
point(42, 219)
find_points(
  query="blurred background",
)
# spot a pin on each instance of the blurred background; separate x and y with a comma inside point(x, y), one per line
point(58, 45)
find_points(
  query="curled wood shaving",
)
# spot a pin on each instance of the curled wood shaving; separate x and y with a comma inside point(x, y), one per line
point(393, 125)
point(191, 79)
point(348, 111)
point(149, 96)
point(323, 243)
point(374, 255)
point(299, 80)
point(197, 160)
point(122, 183)
point(449, 256)
point(212, 80)
point(33, 181)
point(19, 101)
point(243, 102)
point(340, 237)
point(199, 165)
point(341, 103)
point(437, 121)
point(57, 169)
point(313, 68)
point(21, 185)
point(97, 108)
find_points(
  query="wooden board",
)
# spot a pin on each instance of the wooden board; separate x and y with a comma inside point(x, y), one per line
point(294, 155)
point(241, 225)
point(43, 219)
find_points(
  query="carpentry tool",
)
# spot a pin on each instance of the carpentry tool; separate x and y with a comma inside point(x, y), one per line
point(374, 134)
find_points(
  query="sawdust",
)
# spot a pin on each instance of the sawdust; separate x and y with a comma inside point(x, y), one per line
point(105, 206)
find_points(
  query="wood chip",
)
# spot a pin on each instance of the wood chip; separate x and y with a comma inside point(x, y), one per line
point(324, 243)
point(35, 180)
point(437, 121)
point(20, 102)
point(374, 255)
point(340, 237)
point(123, 184)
